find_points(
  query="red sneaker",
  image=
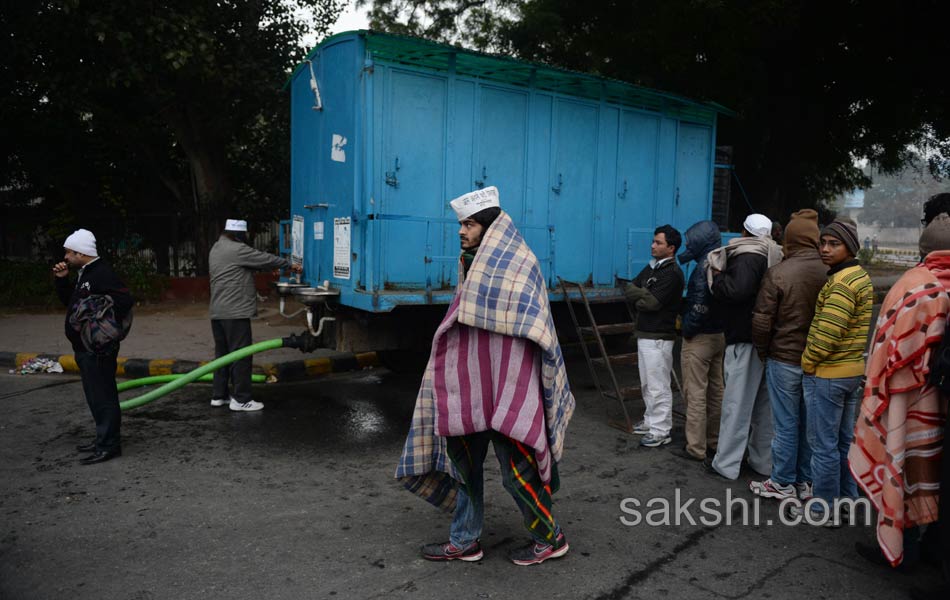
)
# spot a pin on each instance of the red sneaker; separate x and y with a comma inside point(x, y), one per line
point(536, 552)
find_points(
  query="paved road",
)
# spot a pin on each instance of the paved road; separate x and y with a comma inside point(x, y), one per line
point(298, 502)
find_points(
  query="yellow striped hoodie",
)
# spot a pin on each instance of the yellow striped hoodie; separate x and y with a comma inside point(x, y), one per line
point(839, 331)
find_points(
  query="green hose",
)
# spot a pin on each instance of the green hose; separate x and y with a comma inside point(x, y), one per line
point(134, 383)
point(202, 370)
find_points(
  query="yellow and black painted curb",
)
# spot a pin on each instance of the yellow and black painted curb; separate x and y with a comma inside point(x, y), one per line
point(144, 367)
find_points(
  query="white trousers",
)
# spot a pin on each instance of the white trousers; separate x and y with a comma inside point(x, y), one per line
point(655, 359)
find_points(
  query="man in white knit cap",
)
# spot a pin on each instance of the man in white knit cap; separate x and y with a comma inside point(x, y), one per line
point(97, 364)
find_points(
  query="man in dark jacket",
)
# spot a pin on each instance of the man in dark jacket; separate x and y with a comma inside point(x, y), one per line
point(231, 266)
point(656, 294)
point(703, 346)
point(746, 418)
point(783, 313)
point(95, 277)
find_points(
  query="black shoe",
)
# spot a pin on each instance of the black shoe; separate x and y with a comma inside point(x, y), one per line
point(99, 457)
point(683, 453)
point(872, 553)
point(90, 447)
point(708, 469)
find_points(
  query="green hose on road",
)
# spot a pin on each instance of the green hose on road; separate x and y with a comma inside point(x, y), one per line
point(202, 370)
point(153, 379)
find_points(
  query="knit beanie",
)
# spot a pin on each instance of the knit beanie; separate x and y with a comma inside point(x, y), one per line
point(81, 241)
point(846, 230)
point(802, 231)
point(936, 236)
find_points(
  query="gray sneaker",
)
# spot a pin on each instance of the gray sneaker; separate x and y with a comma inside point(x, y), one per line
point(249, 406)
point(641, 428)
point(653, 441)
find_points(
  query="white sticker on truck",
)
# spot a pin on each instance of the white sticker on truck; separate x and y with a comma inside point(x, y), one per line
point(296, 240)
point(341, 248)
point(336, 148)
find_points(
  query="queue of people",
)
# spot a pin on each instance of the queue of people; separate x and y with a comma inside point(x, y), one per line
point(774, 372)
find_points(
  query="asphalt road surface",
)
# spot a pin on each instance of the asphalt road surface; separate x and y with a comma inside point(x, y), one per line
point(298, 501)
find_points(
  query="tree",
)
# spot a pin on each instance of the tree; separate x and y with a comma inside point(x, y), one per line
point(815, 85)
point(173, 100)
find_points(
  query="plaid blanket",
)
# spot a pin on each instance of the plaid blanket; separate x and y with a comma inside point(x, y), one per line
point(504, 293)
point(898, 438)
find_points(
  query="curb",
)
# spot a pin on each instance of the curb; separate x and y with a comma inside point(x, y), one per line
point(134, 368)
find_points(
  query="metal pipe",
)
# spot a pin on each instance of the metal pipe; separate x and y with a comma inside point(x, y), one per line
point(292, 315)
point(319, 325)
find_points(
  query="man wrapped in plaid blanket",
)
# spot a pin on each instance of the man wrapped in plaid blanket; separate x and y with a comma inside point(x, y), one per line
point(495, 374)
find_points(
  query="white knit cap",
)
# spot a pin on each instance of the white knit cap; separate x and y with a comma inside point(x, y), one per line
point(235, 225)
point(81, 241)
point(472, 202)
point(758, 225)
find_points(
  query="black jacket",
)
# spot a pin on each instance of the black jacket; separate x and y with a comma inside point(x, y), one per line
point(736, 289)
point(656, 295)
point(702, 313)
point(96, 278)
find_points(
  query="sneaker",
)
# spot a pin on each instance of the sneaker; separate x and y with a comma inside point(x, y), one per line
point(770, 489)
point(447, 551)
point(221, 401)
point(816, 518)
point(653, 441)
point(248, 406)
point(536, 552)
point(641, 428)
point(804, 491)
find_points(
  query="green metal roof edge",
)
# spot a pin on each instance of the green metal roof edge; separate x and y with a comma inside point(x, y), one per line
point(416, 41)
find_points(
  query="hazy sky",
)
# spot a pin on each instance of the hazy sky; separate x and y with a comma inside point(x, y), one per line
point(351, 19)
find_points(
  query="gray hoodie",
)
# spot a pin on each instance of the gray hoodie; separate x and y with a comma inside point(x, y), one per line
point(231, 265)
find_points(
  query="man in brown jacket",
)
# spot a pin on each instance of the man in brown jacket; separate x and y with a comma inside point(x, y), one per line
point(783, 313)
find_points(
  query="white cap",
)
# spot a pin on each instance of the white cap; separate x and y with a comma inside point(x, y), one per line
point(472, 202)
point(235, 225)
point(758, 225)
point(81, 241)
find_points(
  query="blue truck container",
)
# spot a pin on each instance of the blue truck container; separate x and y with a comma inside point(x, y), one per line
point(386, 130)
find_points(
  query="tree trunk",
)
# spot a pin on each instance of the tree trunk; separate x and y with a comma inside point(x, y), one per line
point(211, 185)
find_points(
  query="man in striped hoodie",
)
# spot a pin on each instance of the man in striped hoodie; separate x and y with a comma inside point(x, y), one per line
point(833, 363)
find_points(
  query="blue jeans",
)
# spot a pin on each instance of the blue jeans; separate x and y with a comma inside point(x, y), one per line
point(791, 453)
point(831, 406)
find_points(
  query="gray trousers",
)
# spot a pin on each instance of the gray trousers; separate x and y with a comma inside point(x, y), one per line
point(746, 414)
point(230, 335)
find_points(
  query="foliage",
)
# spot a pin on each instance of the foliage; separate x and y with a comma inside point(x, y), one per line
point(477, 24)
point(815, 85)
point(139, 275)
point(26, 283)
point(157, 117)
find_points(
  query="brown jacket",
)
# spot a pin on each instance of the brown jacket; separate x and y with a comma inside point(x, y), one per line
point(785, 305)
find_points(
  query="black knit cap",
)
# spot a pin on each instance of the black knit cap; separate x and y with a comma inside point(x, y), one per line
point(846, 230)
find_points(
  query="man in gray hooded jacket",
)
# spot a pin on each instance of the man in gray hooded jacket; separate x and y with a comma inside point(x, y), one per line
point(231, 265)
